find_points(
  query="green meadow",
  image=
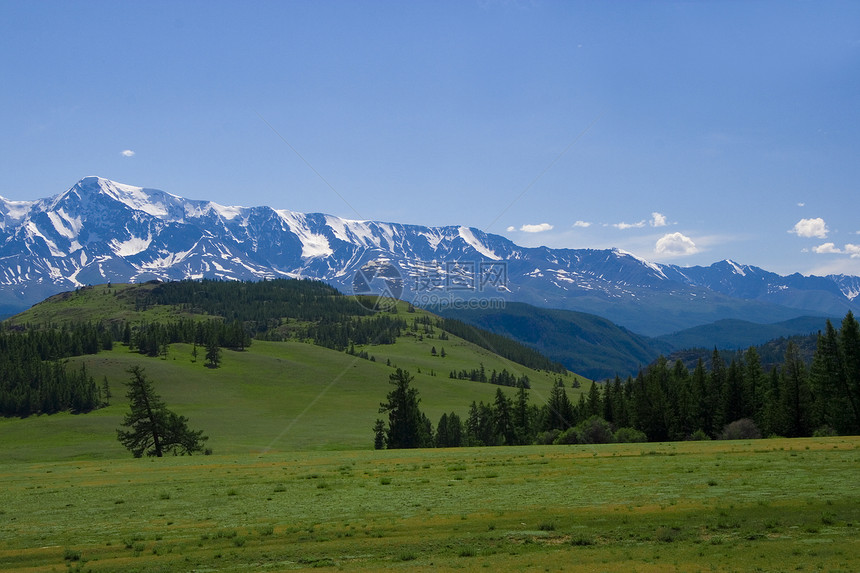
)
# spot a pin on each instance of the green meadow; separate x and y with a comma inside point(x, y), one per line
point(293, 483)
point(765, 505)
point(274, 396)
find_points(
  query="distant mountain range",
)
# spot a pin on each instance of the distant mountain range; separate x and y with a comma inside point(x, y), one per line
point(101, 231)
point(599, 349)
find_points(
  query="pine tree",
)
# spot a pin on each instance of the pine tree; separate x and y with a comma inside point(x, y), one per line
point(106, 393)
point(455, 431)
point(795, 394)
point(442, 440)
point(153, 429)
point(754, 383)
point(558, 411)
point(503, 420)
point(522, 416)
point(405, 421)
point(379, 435)
point(849, 343)
point(827, 381)
point(213, 353)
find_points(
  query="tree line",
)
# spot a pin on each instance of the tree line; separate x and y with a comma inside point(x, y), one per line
point(503, 378)
point(663, 403)
point(34, 378)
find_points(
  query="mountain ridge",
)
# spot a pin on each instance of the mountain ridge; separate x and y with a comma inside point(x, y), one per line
point(100, 231)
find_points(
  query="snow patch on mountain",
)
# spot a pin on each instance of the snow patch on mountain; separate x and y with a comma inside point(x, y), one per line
point(737, 268)
point(313, 244)
point(351, 231)
point(12, 212)
point(33, 233)
point(653, 266)
point(228, 213)
point(132, 246)
point(133, 197)
point(467, 235)
point(68, 227)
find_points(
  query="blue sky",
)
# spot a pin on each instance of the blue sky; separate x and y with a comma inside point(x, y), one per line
point(684, 132)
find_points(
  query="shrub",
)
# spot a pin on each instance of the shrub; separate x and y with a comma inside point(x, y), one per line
point(548, 437)
point(567, 437)
point(824, 432)
point(743, 429)
point(594, 430)
point(699, 436)
point(630, 436)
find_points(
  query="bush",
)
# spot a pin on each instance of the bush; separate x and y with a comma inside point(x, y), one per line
point(594, 430)
point(630, 436)
point(743, 429)
point(567, 437)
point(824, 431)
point(548, 437)
point(699, 436)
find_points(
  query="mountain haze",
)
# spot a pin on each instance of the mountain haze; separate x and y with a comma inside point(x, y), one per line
point(101, 231)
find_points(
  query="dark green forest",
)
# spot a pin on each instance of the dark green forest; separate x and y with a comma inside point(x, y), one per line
point(665, 402)
point(33, 377)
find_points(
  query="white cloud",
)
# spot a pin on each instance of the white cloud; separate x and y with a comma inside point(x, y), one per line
point(127, 153)
point(829, 248)
point(658, 219)
point(582, 224)
point(826, 248)
point(675, 244)
point(511, 229)
point(623, 225)
point(539, 228)
point(811, 228)
point(801, 204)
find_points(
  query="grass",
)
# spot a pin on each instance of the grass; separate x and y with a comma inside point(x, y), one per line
point(275, 396)
point(606, 508)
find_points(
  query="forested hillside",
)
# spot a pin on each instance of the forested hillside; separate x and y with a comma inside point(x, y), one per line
point(665, 402)
point(210, 315)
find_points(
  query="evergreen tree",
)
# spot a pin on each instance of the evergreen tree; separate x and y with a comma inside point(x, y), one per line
point(379, 435)
point(153, 430)
point(405, 421)
point(522, 418)
point(442, 440)
point(455, 431)
point(795, 394)
point(503, 420)
point(734, 394)
point(826, 381)
point(593, 405)
point(106, 393)
point(558, 411)
point(754, 383)
point(849, 343)
point(213, 353)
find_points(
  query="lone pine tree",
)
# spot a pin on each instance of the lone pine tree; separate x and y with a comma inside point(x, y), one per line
point(153, 430)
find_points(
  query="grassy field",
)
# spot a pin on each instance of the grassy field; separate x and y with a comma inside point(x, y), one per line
point(294, 484)
point(276, 396)
point(767, 505)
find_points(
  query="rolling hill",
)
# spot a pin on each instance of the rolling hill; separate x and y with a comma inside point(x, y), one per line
point(273, 396)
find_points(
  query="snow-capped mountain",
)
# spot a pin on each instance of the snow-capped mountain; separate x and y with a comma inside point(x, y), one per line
point(101, 231)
